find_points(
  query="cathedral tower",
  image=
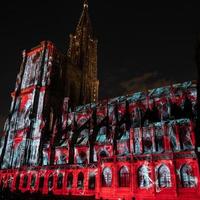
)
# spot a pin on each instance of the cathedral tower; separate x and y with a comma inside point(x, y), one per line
point(82, 83)
point(36, 105)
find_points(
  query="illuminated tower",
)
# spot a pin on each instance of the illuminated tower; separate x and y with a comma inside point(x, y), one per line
point(82, 83)
point(36, 104)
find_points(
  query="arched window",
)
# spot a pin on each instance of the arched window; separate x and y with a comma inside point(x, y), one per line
point(80, 182)
point(187, 177)
point(69, 180)
point(33, 179)
point(25, 181)
point(143, 177)
point(164, 177)
point(92, 181)
point(50, 181)
point(124, 177)
point(107, 177)
point(17, 182)
point(60, 181)
point(41, 182)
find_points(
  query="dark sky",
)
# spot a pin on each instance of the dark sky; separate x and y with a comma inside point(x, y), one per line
point(141, 44)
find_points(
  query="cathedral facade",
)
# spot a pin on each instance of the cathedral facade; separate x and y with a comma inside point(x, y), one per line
point(60, 141)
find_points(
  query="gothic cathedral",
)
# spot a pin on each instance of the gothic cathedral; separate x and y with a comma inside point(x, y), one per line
point(61, 142)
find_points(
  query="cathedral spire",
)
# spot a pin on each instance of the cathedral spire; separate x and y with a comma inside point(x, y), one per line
point(84, 21)
point(85, 4)
point(82, 56)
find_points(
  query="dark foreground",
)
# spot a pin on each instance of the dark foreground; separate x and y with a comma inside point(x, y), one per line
point(6, 194)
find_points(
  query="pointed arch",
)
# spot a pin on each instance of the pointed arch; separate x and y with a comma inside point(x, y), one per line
point(187, 176)
point(164, 177)
point(124, 177)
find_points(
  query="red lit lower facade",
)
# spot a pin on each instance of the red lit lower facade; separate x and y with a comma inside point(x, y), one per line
point(166, 175)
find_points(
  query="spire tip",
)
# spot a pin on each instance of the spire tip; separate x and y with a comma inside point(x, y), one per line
point(85, 4)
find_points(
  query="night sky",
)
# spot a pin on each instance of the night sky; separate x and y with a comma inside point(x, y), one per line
point(141, 44)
